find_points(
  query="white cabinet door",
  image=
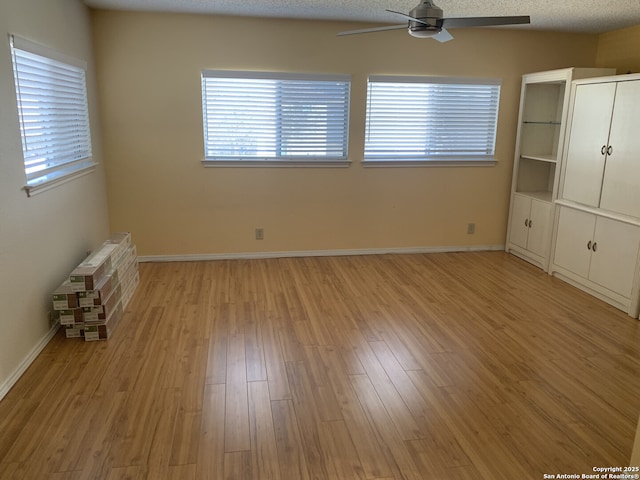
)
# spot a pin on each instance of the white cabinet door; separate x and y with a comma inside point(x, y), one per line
point(574, 240)
point(589, 133)
point(598, 249)
point(620, 188)
point(520, 220)
point(615, 253)
point(539, 220)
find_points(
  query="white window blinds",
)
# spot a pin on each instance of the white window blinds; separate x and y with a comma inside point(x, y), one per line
point(53, 113)
point(418, 119)
point(256, 116)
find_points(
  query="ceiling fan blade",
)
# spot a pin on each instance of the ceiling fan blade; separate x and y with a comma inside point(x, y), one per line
point(443, 36)
point(408, 17)
point(485, 21)
point(370, 30)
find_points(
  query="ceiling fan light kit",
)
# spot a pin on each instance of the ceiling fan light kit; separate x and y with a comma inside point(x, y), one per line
point(427, 20)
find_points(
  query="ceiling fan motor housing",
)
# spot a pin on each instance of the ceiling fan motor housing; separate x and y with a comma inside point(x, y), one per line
point(427, 12)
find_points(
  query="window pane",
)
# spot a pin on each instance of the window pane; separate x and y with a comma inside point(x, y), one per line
point(427, 121)
point(279, 117)
point(54, 117)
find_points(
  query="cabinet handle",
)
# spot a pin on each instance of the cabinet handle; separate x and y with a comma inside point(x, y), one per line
point(595, 246)
point(526, 222)
point(609, 150)
point(589, 245)
point(530, 223)
point(603, 150)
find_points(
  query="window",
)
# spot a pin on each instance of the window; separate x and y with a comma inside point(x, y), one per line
point(274, 118)
point(431, 120)
point(53, 113)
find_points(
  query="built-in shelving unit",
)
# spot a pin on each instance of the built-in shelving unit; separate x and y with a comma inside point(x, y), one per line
point(544, 102)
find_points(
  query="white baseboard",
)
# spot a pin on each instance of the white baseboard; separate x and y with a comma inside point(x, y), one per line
point(316, 253)
point(15, 376)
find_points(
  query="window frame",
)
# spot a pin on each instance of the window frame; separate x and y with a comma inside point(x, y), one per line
point(277, 161)
point(401, 160)
point(58, 164)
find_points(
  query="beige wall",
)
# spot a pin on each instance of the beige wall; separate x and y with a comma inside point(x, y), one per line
point(620, 49)
point(149, 81)
point(41, 238)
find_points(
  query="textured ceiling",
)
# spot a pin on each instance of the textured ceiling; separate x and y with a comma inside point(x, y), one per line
point(591, 16)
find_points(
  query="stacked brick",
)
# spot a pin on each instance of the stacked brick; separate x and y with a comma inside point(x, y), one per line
point(90, 303)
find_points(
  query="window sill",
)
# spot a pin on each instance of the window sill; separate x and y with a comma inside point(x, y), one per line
point(429, 163)
point(277, 163)
point(45, 185)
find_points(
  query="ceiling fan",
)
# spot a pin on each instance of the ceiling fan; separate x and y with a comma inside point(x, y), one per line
point(426, 20)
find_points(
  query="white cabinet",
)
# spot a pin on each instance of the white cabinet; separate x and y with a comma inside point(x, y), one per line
point(599, 253)
point(530, 224)
point(620, 186)
point(615, 255)
point(586, 148)
point(602, 165)
point(573, 241)
point(597, 228)
point(544, 106)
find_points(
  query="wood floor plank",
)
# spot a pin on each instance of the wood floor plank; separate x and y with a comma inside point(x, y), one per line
point(43, 420)
point(237, 465)
point(453, 366)
point(424, 456)
point(236, 428)
point(485, 446)
point(388, 435)
point(475, 433)
point(211, 450)
point(309, 421)
point(72, 434)
point(264, 454)
point(143, 408)
point(94, 455)
point(186, 437)
point(407, 425)
point(76, 475)
point(13, 419)
point(370, 452)
point(12, 470)
point(400, 349)
point(291, 456)
point(274, 359)
point(325, 399)
point(182, 472)
point(159, 456)
point(341, 451)
point(407, 390)
point(194, 374)
point(462, 473)
point(256, 366)
point(217, 359)
point(124, 473)
point(292, 346)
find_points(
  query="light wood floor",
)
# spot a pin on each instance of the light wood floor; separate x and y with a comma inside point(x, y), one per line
point(439, 366)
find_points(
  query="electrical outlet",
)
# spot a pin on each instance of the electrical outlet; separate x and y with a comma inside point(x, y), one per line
point(471, 228)
point(259, 233)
